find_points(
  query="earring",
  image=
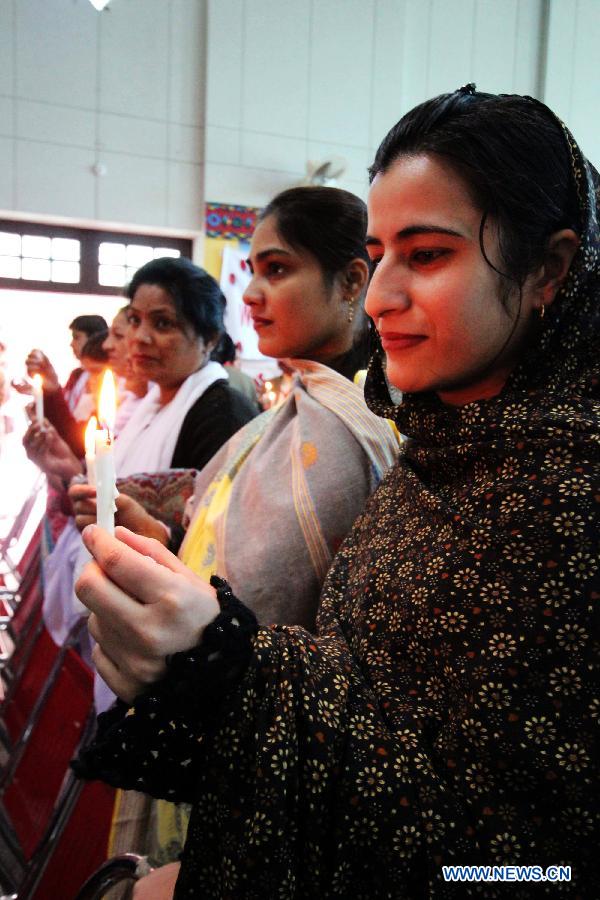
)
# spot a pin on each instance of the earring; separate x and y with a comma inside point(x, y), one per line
point(542, 311)
point(350, 301)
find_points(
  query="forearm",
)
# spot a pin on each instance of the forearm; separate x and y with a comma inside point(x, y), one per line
point(58, 413)
point(155, 745)
point(273, 713)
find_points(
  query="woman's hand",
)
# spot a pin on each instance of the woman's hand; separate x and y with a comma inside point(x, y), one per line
point(145, 605)
point(83, 501)
point(130, 513)
point(159, 884)
point(22, 386)
point(38, 363)
point(45, 447)
point(133, 516)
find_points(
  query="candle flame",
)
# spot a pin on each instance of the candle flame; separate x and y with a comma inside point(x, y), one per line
point(90, 437)
point(107, 407)
point(268, 385)
point(38, 381)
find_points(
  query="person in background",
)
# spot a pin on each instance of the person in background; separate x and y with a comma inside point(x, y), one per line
point(130, 387)
point(446, 713)
point(175, 320)
point(70, 423)
point(225, 353)
point(82, 328)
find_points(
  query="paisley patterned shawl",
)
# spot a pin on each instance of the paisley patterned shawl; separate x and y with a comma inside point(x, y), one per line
point(449, 711)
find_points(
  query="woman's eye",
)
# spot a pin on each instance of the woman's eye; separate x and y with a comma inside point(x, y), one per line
point(275, 268)
point(425, 257)
point(163, 324)
point(133, 321)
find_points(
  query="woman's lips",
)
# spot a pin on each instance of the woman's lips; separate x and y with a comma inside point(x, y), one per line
point(142, 358)
point(260, 323)
point(392, 340)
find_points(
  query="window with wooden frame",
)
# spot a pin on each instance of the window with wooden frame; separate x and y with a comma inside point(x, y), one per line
point(34, 256)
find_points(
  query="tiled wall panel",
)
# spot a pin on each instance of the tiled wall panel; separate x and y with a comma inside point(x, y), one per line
point(176, 101)
point(98, 110)
point(295, 80)
point(572, 86)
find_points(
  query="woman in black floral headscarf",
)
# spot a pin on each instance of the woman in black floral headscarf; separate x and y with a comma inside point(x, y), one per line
point(448, 711)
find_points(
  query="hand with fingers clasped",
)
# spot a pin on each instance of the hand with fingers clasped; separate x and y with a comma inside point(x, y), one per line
point(130, 513)
point(45, 447)
point(145, 605)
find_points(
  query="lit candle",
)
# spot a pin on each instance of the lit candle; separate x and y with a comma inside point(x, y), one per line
point(38, 393)
point(90, 450)
point(106, 490)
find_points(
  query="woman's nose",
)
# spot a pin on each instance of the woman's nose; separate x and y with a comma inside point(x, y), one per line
point(143, 334)
point(252, 294)
point(387, 292)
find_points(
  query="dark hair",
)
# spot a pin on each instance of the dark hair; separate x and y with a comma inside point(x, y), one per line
point(513, 155)
point(329, 223)
point(196, 295)
point(88, 324)
point(92, 349)
point(224, 352)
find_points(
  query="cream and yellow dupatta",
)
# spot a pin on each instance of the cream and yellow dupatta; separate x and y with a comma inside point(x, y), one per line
point(273, 505)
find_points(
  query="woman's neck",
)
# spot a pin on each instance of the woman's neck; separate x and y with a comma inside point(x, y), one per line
point(137, 386)
point(350, 360)
point(167, 392)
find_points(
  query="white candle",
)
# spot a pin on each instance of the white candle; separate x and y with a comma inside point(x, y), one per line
point(106, 490)
point(90, 450)
point(38, 393)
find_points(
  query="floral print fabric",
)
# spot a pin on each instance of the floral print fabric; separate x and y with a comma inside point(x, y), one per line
point(448, 711)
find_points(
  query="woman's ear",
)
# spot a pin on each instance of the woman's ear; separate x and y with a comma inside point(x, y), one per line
point(562, 247)
point(211, 343)
point(357, 275)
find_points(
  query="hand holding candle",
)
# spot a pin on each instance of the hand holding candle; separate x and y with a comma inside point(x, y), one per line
point(38, 393)
point(106, 491)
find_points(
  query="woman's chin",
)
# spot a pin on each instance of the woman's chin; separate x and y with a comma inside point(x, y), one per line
point(271, 349)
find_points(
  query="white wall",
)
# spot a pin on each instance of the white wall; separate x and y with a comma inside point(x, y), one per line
point(572, 83)
point(226, 100)
point(292, 80)
point(123, 89)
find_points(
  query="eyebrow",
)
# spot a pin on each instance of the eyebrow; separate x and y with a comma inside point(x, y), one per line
point(413, 230)
point(264, 253)
point(159, 309)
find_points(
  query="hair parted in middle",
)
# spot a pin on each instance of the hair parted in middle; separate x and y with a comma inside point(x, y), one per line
point(197, 297)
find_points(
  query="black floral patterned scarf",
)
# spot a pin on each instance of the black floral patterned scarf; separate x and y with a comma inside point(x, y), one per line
point(448, 712)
